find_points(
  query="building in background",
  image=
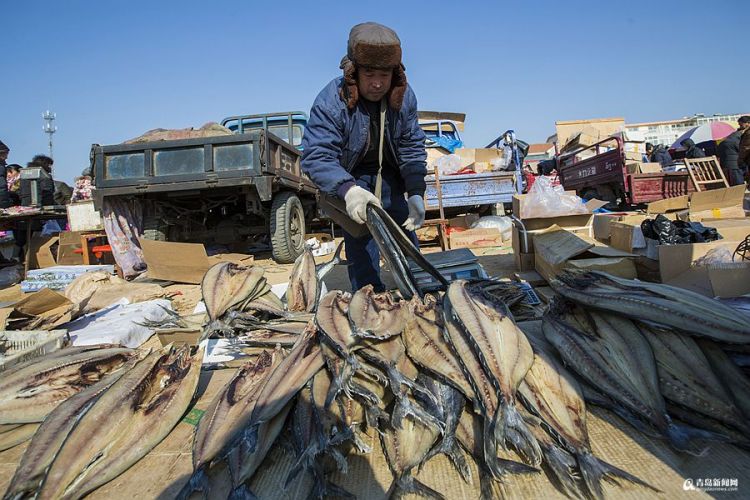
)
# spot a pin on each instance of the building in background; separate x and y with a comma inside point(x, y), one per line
point(667, 131)
point(537, 153)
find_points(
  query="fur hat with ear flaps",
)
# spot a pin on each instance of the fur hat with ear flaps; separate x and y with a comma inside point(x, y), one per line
point(376, 46)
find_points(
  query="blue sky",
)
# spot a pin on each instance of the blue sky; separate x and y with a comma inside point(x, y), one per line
point(112, 70)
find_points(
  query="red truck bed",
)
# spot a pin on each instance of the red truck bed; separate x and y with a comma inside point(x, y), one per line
point(604, 175)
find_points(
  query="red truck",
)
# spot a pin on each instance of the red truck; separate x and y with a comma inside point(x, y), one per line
point(600, 171)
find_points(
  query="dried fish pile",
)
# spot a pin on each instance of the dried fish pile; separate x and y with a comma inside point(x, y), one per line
point(658, 356)
point(118, 405)
point(441, 374)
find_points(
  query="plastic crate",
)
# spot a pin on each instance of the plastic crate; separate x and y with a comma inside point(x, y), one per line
point(19, 346)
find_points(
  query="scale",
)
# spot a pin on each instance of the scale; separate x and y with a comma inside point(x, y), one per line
point(458, 264)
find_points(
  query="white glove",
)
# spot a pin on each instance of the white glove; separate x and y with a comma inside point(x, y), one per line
point(357, 199)
point(416, 213)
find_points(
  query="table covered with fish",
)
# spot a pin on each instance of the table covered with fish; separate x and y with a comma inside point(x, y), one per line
point(622, 389)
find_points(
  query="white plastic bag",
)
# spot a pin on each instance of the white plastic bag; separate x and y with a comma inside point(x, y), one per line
point(546, 200)
point(448, 164)
point(504, 224)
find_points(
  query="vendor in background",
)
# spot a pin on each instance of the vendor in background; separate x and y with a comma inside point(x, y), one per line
point(692, 151)
point(658, 154)
point(5, 200)
point(13, 182)
point(744, 158)
point(729, 158)
point(45, 186)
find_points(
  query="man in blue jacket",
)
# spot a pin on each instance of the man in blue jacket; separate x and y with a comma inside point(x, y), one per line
point(363, 144)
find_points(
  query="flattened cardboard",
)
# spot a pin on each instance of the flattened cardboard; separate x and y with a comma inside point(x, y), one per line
point(725, 203)
point(556, 249)
point(601, 224)
point(40, 302)
point(668, 205)
point(730, 229)
point(179, 262)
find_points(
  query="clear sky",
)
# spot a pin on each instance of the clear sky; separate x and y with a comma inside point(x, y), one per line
point(112, 70)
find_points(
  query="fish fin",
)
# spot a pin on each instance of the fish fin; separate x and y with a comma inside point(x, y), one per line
point(594, 470)
point(487, 487)
point(519, 435)
point(560, 467)
point(242, 492)
point(404, 407)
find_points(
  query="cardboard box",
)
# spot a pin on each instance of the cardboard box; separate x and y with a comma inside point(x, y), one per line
point(650, 168)
point(730, 229)
point(626, 234)
point(633, 167)
point(82, 216)
point(467, 156)
point(676, 266)
point(635, 156)
point(178, 262)
point(725, 203)
point(42, 252)
point(464, 221)
point(476, 238)
point(557, 249)
point(70, 241)
point(600, 225)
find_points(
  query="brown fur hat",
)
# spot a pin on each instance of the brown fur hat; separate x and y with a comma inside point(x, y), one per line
point(373, 45)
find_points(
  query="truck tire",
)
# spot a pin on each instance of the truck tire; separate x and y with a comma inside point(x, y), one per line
point(287, 227)
point(154, 228)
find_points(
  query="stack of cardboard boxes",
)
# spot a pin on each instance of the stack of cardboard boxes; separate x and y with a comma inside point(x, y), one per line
point(678, 264)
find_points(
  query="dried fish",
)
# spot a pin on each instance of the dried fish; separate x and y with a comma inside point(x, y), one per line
point(657, 304)
point(138, 411)
point(29, 394)
point(504, 354)
point(376, 315)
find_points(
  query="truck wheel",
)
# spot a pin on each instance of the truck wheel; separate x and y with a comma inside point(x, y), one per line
point(154, 228)
point(287, 227)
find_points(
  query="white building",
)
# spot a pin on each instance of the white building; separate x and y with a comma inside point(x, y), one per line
point(666, 132)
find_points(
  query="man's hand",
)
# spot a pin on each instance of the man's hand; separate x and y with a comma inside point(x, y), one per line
point(357, 200)
point(416, 213)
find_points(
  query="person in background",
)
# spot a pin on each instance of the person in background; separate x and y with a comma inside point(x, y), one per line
point(45, 186)
point(5, 200)
point(13, 182)
point(729, 158)
point(83, 186)
point(692, 151)
point(744, 148)
point(658, 154)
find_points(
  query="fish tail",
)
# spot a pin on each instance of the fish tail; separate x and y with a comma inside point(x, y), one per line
point(681, 438)
point(594, 470)
point(242, 492)
point(450, 448)
point(519, 435)
point(489, 444)
point(198, 482)
point(407, 484)
point(562, 466)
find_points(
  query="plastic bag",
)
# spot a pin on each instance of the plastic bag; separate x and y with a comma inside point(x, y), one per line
point(546, 200)
point(669, 232)
point(504, 224)
point(720, 257)
point(448, 164)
